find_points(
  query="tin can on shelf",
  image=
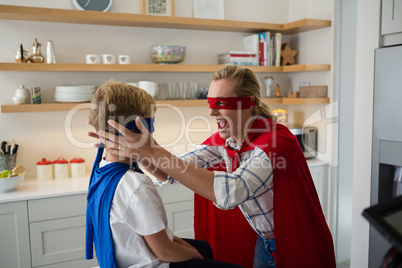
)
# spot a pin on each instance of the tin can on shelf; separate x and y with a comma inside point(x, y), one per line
point(44, 170)
point(60, 168)
point(77, 165)
point(36, 95)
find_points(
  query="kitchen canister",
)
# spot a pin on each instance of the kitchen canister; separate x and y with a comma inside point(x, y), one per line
point(60, 168)
point(281, 116)
point(77, 165)
point(44, 170)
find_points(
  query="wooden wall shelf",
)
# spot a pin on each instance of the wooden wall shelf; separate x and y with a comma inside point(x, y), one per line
point(82, 67)
point(24, 13)
point(55, 107)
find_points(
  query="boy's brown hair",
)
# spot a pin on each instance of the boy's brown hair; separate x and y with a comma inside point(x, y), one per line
point(120, 102)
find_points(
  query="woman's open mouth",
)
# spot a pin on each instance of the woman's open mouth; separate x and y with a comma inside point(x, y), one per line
point(222, 124)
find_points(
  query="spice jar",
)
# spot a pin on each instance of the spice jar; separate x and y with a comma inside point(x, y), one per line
point(60, 168)
point(77, 165)
point(44, 170)
point(281, 116)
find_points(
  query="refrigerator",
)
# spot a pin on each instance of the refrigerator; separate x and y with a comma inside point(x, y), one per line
point(386, 175)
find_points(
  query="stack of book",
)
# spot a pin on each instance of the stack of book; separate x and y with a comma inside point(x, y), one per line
point(248, 58)
point(267, 46)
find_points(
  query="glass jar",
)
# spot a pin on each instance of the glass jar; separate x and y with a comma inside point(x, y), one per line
point(281, 116)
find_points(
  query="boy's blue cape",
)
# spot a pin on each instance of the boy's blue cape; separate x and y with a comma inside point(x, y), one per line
point(102, 185)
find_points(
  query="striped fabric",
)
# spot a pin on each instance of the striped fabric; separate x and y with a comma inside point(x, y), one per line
point(249, 186)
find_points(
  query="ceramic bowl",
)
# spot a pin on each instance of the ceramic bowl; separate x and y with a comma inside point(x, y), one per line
point(168, 54)
point(151, 87)
point(19, 100)
point(9, 184)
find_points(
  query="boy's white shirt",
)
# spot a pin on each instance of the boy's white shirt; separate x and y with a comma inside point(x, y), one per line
point(137, 210)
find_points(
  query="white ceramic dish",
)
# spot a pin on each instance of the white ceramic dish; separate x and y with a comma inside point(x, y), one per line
point(73, 100)
point(79, 88)
point(18, 100)
point(9, 184)
point(68, 95)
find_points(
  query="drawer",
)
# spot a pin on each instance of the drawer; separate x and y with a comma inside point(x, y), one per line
point(57, 241)
point(57, 207)
point(78, 263)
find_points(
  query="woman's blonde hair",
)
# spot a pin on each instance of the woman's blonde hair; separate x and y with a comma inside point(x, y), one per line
point(247, 84)
point(120, 102)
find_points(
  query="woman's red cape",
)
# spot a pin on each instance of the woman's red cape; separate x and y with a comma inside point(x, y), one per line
point(302, 236)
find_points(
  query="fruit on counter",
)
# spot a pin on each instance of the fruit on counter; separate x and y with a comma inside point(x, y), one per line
point(5, 173)
point(17, 171)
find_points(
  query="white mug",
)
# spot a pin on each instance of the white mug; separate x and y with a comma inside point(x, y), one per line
point(108, 59)
point(124, 59)
point(92, 59)
point(151, 87)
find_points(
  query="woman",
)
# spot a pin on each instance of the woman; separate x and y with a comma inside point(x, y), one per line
point(254, 164)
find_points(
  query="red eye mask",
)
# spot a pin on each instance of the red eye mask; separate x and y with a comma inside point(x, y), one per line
point(231, 103)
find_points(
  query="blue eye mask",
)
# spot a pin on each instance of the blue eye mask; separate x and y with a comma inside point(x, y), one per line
point(147, 122)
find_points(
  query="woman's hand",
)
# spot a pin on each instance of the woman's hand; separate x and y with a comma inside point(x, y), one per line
point(129, 144)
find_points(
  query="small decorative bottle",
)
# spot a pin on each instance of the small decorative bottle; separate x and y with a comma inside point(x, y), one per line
point(22, 55)
point(36, 56)
point(50, 54)
point(278, 92)
point(268, 83)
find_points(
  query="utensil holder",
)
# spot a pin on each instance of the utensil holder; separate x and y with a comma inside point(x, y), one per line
point(7, 161)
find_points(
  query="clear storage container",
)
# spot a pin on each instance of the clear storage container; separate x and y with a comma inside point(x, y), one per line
point(281, 116)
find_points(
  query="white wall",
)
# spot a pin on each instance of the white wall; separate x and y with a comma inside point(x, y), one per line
point(42, 134)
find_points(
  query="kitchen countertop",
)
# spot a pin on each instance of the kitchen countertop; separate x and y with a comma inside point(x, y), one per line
point(31, 188)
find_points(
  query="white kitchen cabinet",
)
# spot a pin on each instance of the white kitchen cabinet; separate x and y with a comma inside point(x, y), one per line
point(320, 178)
point(57, 231)
point(14, 235)
point(391, 22)
point(51, 231)
point(391, 18)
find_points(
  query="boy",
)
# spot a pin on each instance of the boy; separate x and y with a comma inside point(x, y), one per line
point(126, 218)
